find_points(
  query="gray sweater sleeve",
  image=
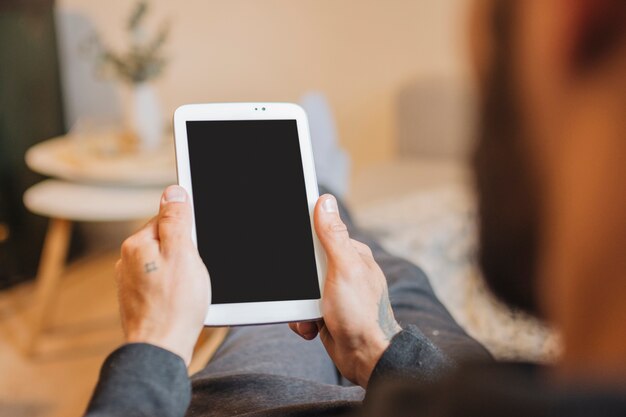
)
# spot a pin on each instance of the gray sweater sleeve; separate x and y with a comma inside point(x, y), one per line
point(411, 355)
point(141, 380)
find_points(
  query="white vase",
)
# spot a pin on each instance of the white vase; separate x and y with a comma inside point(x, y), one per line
point(144, 116)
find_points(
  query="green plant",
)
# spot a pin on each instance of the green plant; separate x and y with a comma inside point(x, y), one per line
point(143, 60)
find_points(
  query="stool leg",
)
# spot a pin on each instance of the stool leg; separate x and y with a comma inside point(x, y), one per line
point(209, 341)
point(50, 267)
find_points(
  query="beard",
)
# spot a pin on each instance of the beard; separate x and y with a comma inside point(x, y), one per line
point(507, 192)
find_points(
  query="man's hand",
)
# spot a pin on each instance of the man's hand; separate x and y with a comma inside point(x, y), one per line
point(163, 286)
point(358, 321)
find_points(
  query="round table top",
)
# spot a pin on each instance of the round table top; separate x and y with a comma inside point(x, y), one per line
point(83, 202)
point(100, 160)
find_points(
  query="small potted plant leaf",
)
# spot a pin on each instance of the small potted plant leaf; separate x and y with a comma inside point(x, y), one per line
point(137, 67)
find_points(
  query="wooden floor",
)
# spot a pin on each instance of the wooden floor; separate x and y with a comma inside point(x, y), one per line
point(59, 378)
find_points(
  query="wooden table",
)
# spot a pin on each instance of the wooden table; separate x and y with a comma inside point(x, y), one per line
point(93, 183)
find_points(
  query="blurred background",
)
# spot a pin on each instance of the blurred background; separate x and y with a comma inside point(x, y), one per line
point(87, 91)
point(360, 54)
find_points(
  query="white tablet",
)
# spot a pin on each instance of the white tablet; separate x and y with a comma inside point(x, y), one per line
point(248, 168)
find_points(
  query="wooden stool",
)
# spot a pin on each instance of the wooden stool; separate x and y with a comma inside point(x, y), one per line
point(64, 203)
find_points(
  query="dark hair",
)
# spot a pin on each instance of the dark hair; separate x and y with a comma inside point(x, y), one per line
point(508, 197)
point(509, 192)
point(604, 33)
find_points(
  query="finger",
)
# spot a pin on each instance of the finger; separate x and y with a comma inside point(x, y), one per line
point(293, 326)
point(140, 245)
point(141, 240)
point(297, 329)
point(307, 329)
point(325, 336)
point(118, 270)
point(148, 230)
point(174, 219)
point(333, 233)
point(362, 248)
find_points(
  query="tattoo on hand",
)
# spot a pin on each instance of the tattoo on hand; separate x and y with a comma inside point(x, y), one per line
point(150, 267)
point(386, 321)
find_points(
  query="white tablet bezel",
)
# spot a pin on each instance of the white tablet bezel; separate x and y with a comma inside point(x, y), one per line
point(257, 312)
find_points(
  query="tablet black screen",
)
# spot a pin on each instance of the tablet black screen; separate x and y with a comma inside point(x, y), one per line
point(252, 219)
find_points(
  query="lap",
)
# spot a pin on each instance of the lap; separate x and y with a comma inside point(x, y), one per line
point(271, 350)
point(263, 367)
point(269, 370)
point(268, 395)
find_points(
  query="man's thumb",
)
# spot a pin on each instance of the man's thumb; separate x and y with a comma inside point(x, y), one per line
point(333, 233)
point(175, 218)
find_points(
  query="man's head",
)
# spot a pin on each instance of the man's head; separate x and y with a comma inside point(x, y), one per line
point(550, 162)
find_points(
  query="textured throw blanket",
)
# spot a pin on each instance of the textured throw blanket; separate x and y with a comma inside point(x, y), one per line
point(435, 228)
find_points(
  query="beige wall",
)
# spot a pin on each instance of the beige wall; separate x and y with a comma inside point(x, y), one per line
point(359, 52)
